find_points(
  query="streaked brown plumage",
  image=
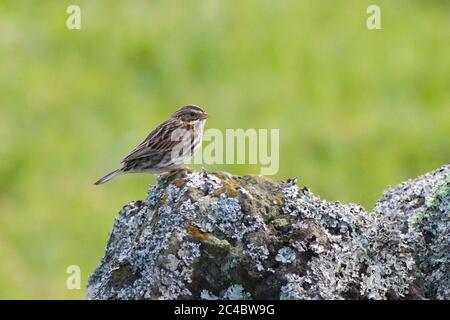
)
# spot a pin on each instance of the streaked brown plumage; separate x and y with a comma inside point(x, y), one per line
point(168, 146)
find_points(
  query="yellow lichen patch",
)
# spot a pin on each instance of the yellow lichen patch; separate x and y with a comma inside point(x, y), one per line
point(258, 178)
point(197, 233)
point(230, 188)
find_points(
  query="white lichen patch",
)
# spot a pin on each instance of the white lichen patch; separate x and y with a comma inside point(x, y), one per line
point(258, 254)
point(300, 225)
point(207, 182)
point(294, 290)
point(234, 292)
point(206, 295)
point(285, 255)
point(225, 215)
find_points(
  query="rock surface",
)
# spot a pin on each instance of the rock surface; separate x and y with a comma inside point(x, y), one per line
point(217, 236)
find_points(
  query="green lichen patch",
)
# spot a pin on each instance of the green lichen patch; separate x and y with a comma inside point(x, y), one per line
point(439, 198)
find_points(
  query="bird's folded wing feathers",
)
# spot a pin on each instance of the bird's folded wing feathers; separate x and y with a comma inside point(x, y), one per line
point(157, 141)
point(143, 151)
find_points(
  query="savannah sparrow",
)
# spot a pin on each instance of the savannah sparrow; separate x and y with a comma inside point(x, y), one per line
point(168, 146)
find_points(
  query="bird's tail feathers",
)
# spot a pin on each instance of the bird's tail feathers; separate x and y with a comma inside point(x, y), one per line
point(109, 176)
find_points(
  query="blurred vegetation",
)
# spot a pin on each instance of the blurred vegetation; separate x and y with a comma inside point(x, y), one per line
point(358, 110)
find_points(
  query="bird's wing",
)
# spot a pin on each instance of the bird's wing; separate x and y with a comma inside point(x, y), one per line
point(159, 140)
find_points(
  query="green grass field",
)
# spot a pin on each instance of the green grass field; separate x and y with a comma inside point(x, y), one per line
point(357, 110)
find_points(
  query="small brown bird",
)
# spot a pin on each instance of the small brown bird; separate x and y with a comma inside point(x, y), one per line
point(168, 146)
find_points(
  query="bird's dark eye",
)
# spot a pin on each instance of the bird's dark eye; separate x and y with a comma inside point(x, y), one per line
point(192, 114)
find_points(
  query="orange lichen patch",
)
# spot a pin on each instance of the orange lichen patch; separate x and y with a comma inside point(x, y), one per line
point(197, 233)
point(230, 188)
point(179, 183)
point(279, 198)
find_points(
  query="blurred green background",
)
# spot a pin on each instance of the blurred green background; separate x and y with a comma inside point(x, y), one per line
point(358, 110)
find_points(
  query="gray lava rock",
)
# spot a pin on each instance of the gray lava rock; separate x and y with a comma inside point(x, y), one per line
point(217, 236)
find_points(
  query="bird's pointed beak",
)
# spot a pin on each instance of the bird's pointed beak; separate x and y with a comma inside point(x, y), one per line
point(205, 115)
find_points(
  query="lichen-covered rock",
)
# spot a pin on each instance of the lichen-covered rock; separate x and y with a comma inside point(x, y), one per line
point(217, 236)
point(417, 213)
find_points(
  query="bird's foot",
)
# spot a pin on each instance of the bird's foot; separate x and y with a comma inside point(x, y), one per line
point(187, 169)
point(173, 172)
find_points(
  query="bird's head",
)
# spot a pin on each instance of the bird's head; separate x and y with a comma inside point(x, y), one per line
point(191, 114)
